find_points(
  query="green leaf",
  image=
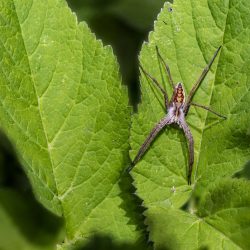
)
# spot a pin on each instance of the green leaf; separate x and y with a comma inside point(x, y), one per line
point(187, 34)
point(63, 107)
point(222, 221)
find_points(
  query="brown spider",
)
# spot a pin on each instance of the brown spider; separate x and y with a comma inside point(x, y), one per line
point(177, 108)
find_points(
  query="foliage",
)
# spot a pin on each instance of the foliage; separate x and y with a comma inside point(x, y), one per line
point(64, 110)
point(120, 24)
point(205, 215)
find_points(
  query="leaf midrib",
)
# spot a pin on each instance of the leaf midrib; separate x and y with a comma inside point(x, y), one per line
point(210, 98)
point(39, 109)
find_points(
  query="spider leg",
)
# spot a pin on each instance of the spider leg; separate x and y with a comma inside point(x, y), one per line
point(166, 67)
point(190, 139)
point(158, 127)
point(208, 109)
point(199, 81)
point(157, 85)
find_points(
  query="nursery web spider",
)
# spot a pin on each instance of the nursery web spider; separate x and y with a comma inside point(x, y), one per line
point(177, 108)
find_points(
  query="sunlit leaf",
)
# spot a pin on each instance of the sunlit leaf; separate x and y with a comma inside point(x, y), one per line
point(64, 109)
point(187, 34)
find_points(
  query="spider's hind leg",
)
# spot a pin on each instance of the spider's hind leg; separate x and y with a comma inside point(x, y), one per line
point(155, 131)
point(190, 140)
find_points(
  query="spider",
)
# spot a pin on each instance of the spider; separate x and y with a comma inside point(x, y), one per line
point(177, 108)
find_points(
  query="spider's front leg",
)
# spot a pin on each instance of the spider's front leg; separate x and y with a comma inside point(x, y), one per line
point(199, 81)
point(155, 131)
point(208, 109)
point(166, 67)
point(157, 84)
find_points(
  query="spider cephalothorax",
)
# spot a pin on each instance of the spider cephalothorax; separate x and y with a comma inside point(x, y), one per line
point(177, 108)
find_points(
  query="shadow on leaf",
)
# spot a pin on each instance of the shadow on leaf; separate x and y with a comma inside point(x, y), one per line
point(104, 242)
point(17, 202)
point(244, 173)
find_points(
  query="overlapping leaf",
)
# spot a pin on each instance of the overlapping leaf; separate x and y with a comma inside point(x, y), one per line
point(63, 107)
point(187, 34)
point(222, 221)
